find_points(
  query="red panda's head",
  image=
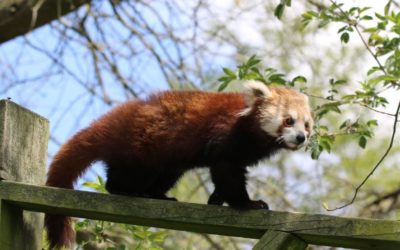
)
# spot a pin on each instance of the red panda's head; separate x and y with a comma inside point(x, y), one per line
point(283, 113)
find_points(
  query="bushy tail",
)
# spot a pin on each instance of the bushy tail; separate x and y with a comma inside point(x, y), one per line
point(70, 162)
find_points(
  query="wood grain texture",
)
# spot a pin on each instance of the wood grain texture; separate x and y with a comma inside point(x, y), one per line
point(18, 17)
point(276, 240)
point(23, 152)
point(23, 144)
point(312, 228)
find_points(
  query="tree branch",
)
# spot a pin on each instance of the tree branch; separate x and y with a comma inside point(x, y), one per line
point(376, 165)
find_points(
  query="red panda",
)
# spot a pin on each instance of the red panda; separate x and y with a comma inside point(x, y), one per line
point(147, 145)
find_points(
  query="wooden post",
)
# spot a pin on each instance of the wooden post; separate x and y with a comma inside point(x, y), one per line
point(23, 152)
point(275, 240)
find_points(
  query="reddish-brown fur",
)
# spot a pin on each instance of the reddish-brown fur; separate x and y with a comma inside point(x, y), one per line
point(147, 145)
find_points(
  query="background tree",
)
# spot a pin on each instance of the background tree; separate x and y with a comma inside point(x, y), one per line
point(345, 57)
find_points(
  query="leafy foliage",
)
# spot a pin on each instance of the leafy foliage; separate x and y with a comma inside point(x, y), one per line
point(112, 236)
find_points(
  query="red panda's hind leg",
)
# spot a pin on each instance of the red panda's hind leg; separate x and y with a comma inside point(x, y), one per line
point(164, 183)
point(141, 181)
point(130, 180)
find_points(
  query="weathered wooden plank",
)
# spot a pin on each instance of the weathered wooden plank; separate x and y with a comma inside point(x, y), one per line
point(313, 229)
point(18, 17)
point(23, 142)
point(275, 240)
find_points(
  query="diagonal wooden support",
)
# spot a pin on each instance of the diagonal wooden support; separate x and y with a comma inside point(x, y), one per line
point(23, 142)
point(11, 227)
point(275, 240)
point(18, 17)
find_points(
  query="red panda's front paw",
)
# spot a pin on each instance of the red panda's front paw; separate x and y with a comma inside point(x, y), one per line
point(215, 199)
point(161, 197)
point(257, 205)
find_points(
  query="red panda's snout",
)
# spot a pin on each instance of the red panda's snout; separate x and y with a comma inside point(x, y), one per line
point(293, 138)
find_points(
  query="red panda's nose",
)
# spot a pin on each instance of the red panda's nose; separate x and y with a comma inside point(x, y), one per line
point(300, 137)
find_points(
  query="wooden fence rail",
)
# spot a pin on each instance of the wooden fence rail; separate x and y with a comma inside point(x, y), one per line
point(23, 145)
point(306, 228)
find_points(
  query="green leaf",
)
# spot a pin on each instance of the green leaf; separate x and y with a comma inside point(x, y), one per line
point(378, 79)
point(252, 61)
point(366, 18)
point(279, 10)
point(371, 123)
point(344, 124)
point(299, 79)
point(229, 72)
point(223, 86)
point(326, 142)
point(315, 153)
point(339, 82)
point(345, 37)
point(387, 7)
point(323, 23)
point(373, 70)
point(364, 9)
point(310, 14)
point(90, 184)
point(327, 107)
point(370, 30)
point(380, 17)
point(362, 142)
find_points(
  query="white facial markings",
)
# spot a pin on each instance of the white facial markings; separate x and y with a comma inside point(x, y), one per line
point(282, 115)
point(293, 114)
point(271, 119)
point(295, 135)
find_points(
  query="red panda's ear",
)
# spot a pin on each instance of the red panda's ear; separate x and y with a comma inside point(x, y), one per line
point(254, 90)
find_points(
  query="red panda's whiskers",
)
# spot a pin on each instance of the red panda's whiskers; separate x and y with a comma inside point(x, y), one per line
point(280, 139)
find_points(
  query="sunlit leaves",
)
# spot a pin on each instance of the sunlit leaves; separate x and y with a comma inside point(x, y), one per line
point(250, 70)
point(320, 141)
point(98, 185)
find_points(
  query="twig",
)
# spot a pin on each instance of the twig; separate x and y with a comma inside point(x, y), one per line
point(393, 194)
point(359, 103)
point(376, 165)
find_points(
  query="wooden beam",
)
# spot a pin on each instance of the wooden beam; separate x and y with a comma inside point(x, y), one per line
point(313, 229)
point(23, 142)
point(18, 17)
point(275, 240)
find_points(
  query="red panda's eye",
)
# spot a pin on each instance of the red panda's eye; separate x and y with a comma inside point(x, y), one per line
point(289, 122)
